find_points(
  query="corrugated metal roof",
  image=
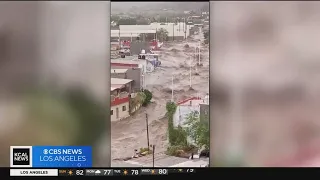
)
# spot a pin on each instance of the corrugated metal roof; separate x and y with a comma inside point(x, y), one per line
point(118, 81)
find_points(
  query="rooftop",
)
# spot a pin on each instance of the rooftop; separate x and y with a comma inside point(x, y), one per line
point(114, 88)
point(127, 58)
point(119, 70)
point(135, 62)
point(195, 101)
point(118, 81)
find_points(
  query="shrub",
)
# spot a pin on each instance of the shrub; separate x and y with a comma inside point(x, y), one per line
point(148, 97)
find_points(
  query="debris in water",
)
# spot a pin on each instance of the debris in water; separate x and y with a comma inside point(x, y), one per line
point(175, 50)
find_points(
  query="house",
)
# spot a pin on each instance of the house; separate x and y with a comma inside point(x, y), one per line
point(184, 108)
point(131, 73)
point(122, 85)
point(120, 101)
point(205, 110)
point(146, 66)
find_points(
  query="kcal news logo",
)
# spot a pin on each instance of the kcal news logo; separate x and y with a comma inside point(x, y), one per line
point(50, 156)
point(20, 156)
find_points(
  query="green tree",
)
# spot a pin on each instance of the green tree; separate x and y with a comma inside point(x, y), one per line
point(143, 22)
point(197, 130)
point(127, 21)
point(115, 18)
point(137, 100)
point(148, 97)
point(162, 34)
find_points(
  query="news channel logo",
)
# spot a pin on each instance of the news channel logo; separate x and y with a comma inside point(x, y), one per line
point(51, 156)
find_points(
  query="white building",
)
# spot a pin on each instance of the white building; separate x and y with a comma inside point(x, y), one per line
point(119, 104)
point(174, 30)
point(145, 65)
point(185, 107)
point(120, 90)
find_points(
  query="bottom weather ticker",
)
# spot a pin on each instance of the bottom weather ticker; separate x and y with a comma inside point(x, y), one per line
point(96, 172)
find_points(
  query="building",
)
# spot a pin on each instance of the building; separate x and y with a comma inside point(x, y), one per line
point(131, 73)
point(205, 110)
point(132, 34)
point(120, 102)
point(122, 85)
point(145, 65)
point(184, 108)
point(176, 31)
point(119, 73)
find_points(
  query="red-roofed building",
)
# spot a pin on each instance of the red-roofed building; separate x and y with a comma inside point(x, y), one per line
point(185, 107)
point(120, 98)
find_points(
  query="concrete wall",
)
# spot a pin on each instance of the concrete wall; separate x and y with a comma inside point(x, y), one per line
point(121, 114)
point(128, 87)
point(135, 75)
point(119, 75)
point(179, 118)
point(204, 112)
point(181, 113)
point(132, 73)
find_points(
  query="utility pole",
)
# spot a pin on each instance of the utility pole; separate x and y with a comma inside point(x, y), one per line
point(190, 76)
point(185, 29)
point(173, 32)
point(145, 81)
point(147, 124)
point(153, 149)
point(119, 38)
point(195, 52)
point(172, 89)
point(199, 51)
point(156, 34)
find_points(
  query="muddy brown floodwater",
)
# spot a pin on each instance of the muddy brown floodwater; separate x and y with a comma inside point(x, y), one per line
point(130, 133)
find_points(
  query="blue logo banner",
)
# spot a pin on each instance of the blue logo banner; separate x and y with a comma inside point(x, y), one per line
point(62, 156)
